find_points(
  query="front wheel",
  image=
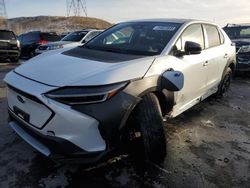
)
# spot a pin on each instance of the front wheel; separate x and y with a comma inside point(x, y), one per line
point(149, 118)
point(225, 83)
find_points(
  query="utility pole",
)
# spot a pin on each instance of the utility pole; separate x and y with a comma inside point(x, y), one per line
point(3, 14)
point(76, 7)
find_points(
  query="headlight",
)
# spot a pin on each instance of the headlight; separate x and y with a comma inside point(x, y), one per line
point(245, 49)
point(55, 47)
point(85, 95)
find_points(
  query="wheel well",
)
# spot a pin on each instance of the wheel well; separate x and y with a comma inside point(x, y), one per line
point(232, 67)
point(162, 100)
point(163, 105)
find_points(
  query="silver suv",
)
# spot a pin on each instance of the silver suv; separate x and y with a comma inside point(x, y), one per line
point(84, 102)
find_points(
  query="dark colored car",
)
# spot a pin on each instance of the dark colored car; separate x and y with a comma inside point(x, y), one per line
point(240, 35)
point(9, 46)
point(31, 40)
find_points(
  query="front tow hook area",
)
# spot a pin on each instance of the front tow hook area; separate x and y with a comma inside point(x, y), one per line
point(29, 139)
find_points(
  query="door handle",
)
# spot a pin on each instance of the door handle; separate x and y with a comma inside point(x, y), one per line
point(205, 64)
point(226, 56)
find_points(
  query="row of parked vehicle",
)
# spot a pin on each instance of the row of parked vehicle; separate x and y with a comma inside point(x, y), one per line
point(33, 43)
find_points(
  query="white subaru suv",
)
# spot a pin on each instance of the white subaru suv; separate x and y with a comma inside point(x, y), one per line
point(85, 102)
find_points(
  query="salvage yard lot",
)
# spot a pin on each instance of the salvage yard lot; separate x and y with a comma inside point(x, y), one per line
point(208, 146)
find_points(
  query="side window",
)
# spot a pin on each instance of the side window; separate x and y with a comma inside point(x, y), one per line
point(212, 36)
point(30, 37)
point(91, 35)
point(193, 33)
point(222, 38)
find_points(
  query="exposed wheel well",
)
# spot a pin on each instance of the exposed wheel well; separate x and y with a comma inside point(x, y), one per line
point(232, 67)
point(162, 100)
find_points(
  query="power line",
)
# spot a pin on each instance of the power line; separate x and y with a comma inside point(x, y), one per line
point(3, 13)
point(76, 7)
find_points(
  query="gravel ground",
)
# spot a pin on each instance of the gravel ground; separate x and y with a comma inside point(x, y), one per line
point(208, 146)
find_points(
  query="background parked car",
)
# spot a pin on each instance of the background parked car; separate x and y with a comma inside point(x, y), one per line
point(31, 40)
point(64, 34)
point(9, 46)
point(71, 40)
point(240, 35)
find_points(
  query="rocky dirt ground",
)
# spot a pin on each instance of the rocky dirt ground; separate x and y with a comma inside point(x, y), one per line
point(208, 146)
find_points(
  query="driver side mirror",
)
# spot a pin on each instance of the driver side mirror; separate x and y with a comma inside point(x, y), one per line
point(192, 48)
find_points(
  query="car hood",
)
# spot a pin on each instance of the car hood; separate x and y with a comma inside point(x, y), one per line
point(241, 42)
point(57, 69)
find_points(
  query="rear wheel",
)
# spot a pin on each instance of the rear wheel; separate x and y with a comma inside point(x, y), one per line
point(225, 83)
point(148, 125)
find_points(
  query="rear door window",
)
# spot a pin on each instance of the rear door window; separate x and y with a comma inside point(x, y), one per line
point(222, 38)
point(30, 37)
point(213, 36)
point(7, 35)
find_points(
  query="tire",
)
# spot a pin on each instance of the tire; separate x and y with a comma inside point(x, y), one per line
point(31, 54)
point(225, 83)
point(149, 118)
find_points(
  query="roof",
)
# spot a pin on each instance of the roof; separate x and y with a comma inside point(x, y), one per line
point(174, 20)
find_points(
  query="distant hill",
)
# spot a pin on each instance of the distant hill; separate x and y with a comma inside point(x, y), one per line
point(57, 24)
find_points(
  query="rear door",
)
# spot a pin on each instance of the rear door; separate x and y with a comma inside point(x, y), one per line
point(217, 57)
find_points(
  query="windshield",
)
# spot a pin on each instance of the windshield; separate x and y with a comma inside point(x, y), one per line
point(238, 32)
point(75, 36)
point(7, 35)
point(140, 38)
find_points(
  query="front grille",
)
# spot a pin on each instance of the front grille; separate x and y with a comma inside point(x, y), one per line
point(4, 44)
point(39, 114)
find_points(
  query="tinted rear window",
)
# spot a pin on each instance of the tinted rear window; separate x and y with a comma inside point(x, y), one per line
point(238, 32)
point(30, 37)
point(49, 37)
point(7, 35)
point(75, 36)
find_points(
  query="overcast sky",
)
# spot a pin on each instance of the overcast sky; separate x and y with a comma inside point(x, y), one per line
point(220, 11)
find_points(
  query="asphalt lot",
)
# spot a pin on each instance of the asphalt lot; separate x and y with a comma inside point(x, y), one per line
point(208, 146)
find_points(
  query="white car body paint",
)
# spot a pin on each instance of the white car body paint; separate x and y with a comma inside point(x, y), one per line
point(60, 70)
point(52, 70)
point(85, 133)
